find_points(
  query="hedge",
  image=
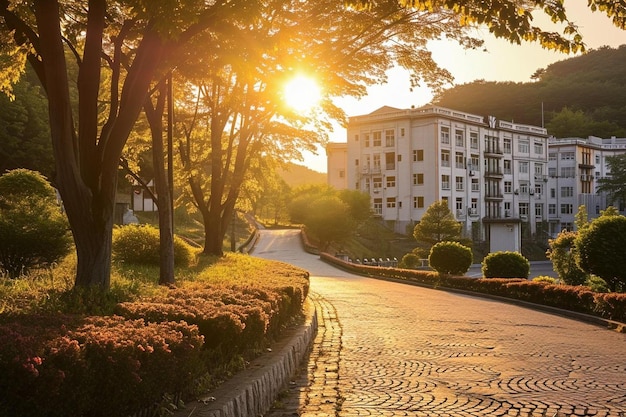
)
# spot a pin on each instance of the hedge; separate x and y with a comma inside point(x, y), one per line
point(581, 299)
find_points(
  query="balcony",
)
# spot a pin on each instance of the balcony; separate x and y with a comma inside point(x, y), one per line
point(494, 196)
point(493, 173)
point(493, 151)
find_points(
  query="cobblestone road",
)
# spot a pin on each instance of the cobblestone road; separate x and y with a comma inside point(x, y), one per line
point(387, 349)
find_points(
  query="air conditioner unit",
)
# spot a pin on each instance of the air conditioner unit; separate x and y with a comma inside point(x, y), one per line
point(473, 212)
point(459, 213)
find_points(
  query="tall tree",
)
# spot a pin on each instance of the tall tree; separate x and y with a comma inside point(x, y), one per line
point(138, 41)
point(135, 41)
point(437, 225)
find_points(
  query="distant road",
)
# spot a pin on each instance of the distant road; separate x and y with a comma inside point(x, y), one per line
point(537, 268)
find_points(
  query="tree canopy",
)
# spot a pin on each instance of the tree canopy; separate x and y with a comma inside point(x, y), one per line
point(615, 183)
point(437, 225)
point(121, 49)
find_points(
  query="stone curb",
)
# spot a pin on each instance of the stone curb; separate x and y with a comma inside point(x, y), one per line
point(251, 392)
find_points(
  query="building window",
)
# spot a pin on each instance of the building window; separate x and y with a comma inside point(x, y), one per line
point(418, 179)
point(399, 158)
point(567, 156)
point(567, 208)
point(552, 209)
point(418, 155)
point(474, 140)
point(391, 202)
point(390, 138)
point(567, 226)
point(377, 138)
point(391, 181)
point(377, 183)
point(507, 166)
point(459, 183)
point(597, 159)
point(567, 191)
point(523, 209)
point(475, 184)
point(378, 206)
point(507, 145)
point(567, 172)
point(418, 202)
point(356, 138)
point(390, 160)
point(401, 132)
point(459, 139)
point(508, 187)
point(552, 156)
point(445, 182)
point(474, 163)
point(552, 192)
point(538, 210)
point(342, 173)
point(445, 135)
point(459, 206)
point(551, 172)
point(459, 160)
point(366, 140)
point(538, 169)
point(445, 158)
point(523, 167)
point(538, 189)
point(523, 146)
point(377, 161)
point(538, 148)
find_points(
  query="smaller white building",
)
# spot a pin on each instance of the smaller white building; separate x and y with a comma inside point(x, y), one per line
point(574, 167)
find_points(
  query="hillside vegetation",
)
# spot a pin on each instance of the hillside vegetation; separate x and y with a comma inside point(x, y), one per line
point(590, 88)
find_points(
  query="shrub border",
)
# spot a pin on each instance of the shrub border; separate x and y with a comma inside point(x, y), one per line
point(433, 280)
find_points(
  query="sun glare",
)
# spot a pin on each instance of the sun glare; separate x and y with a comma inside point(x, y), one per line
point(302, 93)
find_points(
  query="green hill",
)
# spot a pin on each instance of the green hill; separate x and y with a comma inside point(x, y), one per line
point(296, 175)
point(579, 96)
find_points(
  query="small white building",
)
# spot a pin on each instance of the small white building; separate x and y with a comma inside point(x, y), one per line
point(492, 173)
point(574, 167)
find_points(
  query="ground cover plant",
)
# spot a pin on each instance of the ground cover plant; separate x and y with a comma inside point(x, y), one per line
point(85, 352)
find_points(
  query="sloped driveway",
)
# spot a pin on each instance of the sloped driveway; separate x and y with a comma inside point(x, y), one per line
point(388, 349)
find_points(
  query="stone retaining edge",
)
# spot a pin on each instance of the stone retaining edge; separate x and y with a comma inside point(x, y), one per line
point(251, 392)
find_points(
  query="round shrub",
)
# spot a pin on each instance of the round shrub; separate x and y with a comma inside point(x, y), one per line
point(33, 230)
point(139, 244)
point(600, 250)
point(505, 264)
point(450, 258)
point(410, 261)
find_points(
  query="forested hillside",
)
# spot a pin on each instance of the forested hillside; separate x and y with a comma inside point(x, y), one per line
point(580, 96)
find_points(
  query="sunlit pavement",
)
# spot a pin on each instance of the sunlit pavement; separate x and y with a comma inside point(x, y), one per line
point(387, 349)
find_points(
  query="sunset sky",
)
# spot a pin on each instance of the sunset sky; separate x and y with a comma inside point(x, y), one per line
point(501, 62)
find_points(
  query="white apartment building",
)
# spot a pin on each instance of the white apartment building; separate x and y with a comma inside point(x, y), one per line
point(574, 167)
point(493, 174)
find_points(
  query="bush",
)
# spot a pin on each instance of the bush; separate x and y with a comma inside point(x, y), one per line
point(33, 230)
point(597, 284)
point(410, 261)
point(505, 264)
point(563, 256)
point(450, 258)
point(544, 279)
point(139, 244)
point(600, 250)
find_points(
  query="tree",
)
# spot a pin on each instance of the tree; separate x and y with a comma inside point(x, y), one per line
point(138, 45)
point(437, 225)
point(615, 184)
point(600, 250)
point(505, 264)
point(562, 253)
point(329, 221)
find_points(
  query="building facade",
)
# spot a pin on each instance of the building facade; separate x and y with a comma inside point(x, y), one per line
point(574, 167)
point(492, 173)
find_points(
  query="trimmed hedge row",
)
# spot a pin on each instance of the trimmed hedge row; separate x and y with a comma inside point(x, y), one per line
point(581, 299)
point(60, 365)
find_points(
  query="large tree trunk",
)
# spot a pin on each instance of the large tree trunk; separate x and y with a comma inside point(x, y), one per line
point(154, 115)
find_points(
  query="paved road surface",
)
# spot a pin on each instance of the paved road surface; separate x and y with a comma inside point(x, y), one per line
point(388, 349)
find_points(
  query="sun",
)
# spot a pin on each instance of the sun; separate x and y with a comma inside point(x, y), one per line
point(302, 93)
